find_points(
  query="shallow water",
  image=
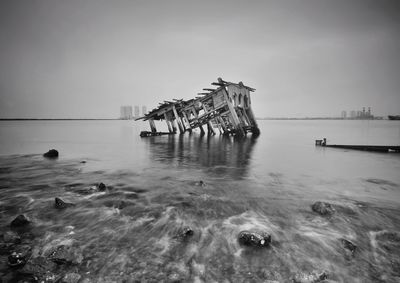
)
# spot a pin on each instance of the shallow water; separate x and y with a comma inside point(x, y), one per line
point(132, 231)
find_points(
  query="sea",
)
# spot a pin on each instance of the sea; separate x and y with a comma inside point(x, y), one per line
point(174, 205)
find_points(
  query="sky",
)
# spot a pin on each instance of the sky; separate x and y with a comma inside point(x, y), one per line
point(86, 58)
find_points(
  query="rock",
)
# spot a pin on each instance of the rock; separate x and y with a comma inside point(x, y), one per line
point(39, 267)
point(11, 237)
point(348, 245)
point(185, 233)
point(255, 239)
point(101, 187)
point(312, 277)
point(71, 278)
point(16, 260)
point(66, 255)
point(174, 277)
point(19, 256)
point(323, 208)
point(200, 183)
point(52, 153)
point(20, 221)
point(60, 204)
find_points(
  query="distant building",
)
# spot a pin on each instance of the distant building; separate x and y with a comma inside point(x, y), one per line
point(144, 110)
point(344, 114)
point(362, 114)
point(126, 112)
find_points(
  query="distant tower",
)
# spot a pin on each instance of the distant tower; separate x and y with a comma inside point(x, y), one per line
point(144, 110)
point(363, 113)
point(137, 111)
point(344, 114)
point(126, 112)
point(353, 114)
point(369, 112)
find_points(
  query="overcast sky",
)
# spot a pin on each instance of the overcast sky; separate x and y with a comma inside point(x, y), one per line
point(86, 58)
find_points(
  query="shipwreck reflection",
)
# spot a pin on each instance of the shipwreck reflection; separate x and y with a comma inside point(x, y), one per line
point(218, 154)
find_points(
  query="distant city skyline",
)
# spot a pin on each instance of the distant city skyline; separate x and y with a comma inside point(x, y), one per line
point(86, 58)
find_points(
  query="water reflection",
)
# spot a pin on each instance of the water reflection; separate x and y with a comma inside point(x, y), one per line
point(221, 154)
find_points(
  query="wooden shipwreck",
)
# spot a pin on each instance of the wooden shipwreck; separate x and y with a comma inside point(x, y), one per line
point(225, 108)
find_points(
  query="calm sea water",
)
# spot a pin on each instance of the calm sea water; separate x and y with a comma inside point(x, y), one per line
point(132, 230)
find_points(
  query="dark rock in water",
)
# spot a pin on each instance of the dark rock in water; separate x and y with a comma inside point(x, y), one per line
point(254, 239)
point(40, 267)
point(186, 232)
point(348, 245)
point(201, 183)
point(52, 153)
point(11, 237)
point(101, 187)
point(312, 277)
point(20, 221)
point(71, 278)
point(19, 256)
point(83, 161)
point(66, 255)
point(323, 208)
point(16, 260)
point(60, 204)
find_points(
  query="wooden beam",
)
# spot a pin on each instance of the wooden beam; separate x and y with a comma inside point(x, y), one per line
point(168, 123)
point(235, 119)
point(178, 121)
point(152, 125)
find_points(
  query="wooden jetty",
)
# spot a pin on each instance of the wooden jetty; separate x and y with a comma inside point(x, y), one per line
point(226, 109)
point(377, 148)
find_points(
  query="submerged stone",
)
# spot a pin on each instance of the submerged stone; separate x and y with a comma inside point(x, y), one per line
point(16, 260)
point(200, 183)
point(20, 221)
point(254, 239)
point(52, 153)
point(40, 267)
point(19, 256)
point(348, 245)
point(323, 208)
point(185, 233)
point(312, 277)
point(66, 255)
point(11, 237)
point(71, 278)
point(60, 204)
point(101, 187)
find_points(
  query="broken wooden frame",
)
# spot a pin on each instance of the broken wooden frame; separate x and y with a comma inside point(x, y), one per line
point(226, 108)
